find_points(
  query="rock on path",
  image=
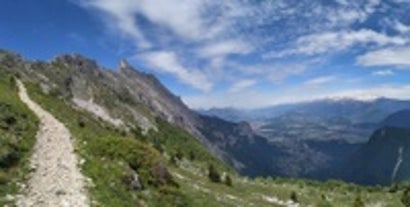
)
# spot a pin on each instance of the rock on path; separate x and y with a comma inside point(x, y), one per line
point(56, 179)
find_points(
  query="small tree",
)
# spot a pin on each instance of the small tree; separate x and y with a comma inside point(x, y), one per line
point(81, 122)
point(228, 181)
point(294, 197)
point(213, 174)
point(405, 198)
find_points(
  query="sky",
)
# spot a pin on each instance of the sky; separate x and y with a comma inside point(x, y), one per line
point(231, 53)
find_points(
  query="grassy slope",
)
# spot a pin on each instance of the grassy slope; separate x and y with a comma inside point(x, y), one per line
point(111, 155)
point(18, 127)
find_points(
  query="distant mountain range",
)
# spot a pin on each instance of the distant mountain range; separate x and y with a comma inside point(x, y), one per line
point(357, 111)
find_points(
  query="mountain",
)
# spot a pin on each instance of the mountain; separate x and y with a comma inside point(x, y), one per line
point(400, 119)
point(125, 97)
point(318, 137)
point(157, 152)
point(128, 98)
point(122, 97)
point(357, 111)
point(384, 158)
point(131, 99)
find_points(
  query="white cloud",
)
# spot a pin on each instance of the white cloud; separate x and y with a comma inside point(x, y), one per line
point(121, 17)
point(395, 56)
point(402, 28)
point(182, 18)
point(167, 62)
point(325, 42)
point(383, 73)
point(315, 82)
point(272, 72)
point(223, 48)
point(241, 85)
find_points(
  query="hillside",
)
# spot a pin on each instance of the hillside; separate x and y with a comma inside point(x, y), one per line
point(399, 119)
point(164, 165)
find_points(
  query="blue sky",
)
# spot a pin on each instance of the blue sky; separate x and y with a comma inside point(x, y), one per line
point(232, 53)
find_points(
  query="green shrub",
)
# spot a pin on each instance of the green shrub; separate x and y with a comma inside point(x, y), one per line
point(213, 174)
point(358, 202)
point(294, 197)
point(405, 198)
point(228, 181)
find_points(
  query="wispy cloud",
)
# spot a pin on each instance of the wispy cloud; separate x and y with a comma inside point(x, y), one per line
point(383, 73)
point(120, 16)
point(241, 85)
point(167, 62)
point(395, 56)
point(315, 82)
point(325, 42)
point(205, 44)
point(223, 48)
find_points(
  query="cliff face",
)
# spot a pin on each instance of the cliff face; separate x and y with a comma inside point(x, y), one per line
point(125, 97)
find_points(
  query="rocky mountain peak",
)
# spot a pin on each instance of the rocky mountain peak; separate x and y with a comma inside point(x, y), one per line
point(77, 61)
point(124, 66)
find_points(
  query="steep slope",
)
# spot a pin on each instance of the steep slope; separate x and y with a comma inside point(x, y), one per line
point(56, 180)
point(124, 97)
point(385, 157)
point(383, 160)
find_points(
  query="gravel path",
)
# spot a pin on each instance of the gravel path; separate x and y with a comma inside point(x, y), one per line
point(56, 179)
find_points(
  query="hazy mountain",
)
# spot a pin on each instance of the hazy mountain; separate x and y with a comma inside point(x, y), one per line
point(357, 111)
point(399, 119)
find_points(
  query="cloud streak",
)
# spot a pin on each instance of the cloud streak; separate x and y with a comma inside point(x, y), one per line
point(167, 62)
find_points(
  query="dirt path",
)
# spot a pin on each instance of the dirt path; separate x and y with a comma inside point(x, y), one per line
point(56, 179)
